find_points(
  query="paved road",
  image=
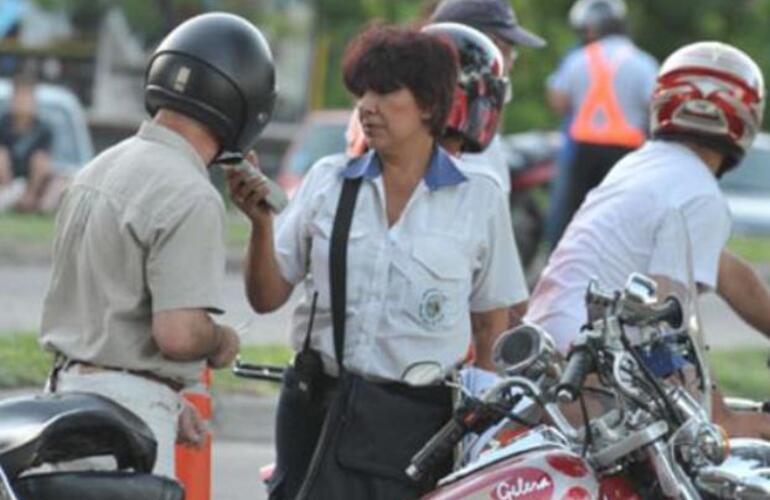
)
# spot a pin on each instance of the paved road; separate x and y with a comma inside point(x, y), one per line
point(22, 289)
point(243, 426)
point(235, 470)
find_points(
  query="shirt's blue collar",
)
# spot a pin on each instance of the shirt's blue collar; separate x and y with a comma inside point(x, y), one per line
point(442, 171)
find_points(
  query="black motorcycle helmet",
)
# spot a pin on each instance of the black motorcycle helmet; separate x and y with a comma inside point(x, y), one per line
point(481, 85)
point(218, 69)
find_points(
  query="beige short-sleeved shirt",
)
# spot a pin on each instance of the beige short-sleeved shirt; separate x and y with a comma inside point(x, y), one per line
point(141, 230)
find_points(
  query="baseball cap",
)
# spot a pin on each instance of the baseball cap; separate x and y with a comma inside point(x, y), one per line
point(491, 16)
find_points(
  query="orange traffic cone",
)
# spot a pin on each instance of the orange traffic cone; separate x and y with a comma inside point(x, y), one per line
point(193, 465)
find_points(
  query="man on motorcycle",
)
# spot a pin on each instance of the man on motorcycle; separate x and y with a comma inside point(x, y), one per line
point(707, 107)
point(139, 252)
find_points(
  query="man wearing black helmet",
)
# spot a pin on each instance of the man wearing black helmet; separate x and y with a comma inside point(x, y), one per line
point(139, 252)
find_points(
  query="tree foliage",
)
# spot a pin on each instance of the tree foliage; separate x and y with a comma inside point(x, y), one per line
point(657, 26)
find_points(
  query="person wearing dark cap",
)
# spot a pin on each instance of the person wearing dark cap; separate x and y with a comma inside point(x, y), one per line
point(497, 20)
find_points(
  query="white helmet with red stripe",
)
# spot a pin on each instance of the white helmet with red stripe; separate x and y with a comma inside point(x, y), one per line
point(712, 94)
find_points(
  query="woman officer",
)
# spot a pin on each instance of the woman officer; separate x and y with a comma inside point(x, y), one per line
point(428, 269)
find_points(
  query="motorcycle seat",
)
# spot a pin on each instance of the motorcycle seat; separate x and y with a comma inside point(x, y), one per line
point(49, 428)
point(95, 485)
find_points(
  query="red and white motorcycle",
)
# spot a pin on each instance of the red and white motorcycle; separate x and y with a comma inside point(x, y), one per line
point(656, 438)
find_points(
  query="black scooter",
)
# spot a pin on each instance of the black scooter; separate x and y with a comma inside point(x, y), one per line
point(50, 428)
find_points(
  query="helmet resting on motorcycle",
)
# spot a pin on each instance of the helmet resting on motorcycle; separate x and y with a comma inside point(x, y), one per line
point(218, 69)
point(594, 19)
point(712, 94)
point(481, 85)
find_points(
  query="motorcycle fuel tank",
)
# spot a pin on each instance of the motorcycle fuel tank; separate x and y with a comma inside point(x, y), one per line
point(533, 467)
point(542, 475)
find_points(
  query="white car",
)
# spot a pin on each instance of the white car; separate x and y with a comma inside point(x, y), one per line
point(747, 189)
point(60, 109)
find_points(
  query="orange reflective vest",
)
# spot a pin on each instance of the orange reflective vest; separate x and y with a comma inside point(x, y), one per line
point(600, 119)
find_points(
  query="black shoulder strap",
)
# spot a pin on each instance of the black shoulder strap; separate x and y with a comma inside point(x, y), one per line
point(338, 253)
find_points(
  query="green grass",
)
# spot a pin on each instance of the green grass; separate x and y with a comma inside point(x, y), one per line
point(39, 229)
point(742, 372)
point(237, 231)
point(752, 248)
point(24, 364)
point(26, 228)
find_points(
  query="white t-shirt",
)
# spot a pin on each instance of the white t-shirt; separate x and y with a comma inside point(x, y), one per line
point(410, 287)
point(629, 224)
point(493, 160)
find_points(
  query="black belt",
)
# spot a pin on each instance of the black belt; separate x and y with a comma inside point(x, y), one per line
point(439, 394)
point(64, 363)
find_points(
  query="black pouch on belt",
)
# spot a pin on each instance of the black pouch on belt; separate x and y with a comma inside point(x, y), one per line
point(308, 366)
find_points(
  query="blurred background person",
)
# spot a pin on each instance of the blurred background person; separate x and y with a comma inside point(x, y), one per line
point(25, 148)
point(415, 293)
point(606, 87)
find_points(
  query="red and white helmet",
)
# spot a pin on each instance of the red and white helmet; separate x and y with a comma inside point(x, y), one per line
point(481, 85)
point(711, 93)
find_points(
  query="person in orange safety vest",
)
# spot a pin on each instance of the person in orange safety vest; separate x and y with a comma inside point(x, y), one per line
point(606, 86)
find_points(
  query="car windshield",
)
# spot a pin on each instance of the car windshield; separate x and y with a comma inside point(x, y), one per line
point(752, 175)
point(318, 140)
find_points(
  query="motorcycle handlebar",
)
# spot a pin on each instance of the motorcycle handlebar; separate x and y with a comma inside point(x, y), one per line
point(439, 446)
point(670, 312)
point(579, 365)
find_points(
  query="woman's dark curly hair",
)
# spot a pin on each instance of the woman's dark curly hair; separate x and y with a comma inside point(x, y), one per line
point(384, 59)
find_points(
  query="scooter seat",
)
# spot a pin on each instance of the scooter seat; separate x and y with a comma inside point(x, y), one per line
point(94, 485)
point(50, 428)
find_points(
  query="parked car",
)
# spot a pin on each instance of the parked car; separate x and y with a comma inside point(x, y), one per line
point(747, 189)
point(72, 148)
point(322, 134)
point(60, 109)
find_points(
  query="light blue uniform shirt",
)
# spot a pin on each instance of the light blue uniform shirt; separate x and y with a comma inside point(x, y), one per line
point(410, 287)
